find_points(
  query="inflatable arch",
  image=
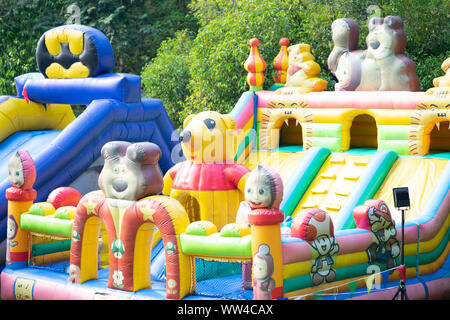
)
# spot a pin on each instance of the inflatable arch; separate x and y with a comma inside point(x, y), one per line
point(130, 235)
point(416, 125)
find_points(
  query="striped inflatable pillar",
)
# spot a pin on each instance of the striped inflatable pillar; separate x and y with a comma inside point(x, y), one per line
point(281, 64)
point(255, 65)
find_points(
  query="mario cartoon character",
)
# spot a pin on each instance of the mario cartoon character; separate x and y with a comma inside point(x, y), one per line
point(316, 227)
point(374, 215)
point(209, 184)
point(263, 268)
point(386, 247)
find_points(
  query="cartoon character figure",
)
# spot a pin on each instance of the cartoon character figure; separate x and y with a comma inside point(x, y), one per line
point(263, 190)
point(386, 248)
point(263, 195)
point(443, 81)
point(303, 70)
point(374, 215)
point(209, 184)
point(21, 171)
point(12, 229)
point(316, 227)
point(130, 173)
point(382, 67)
point(263, 269)
point(21, 175)
point(322, 268)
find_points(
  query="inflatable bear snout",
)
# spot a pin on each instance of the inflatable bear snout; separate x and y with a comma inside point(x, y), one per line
point(131, 171)
point(119, 185)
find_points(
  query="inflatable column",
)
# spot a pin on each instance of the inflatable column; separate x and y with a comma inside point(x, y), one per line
point(255, 65)
point(266, 251)
point(22, 175)
point(281, 63)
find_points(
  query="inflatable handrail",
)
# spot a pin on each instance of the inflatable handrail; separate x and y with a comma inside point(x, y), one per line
point(303, 176)
point(17, 115)
point(357, 240)
point(353, 260)
point(48, 225)
point(214, 246)
point(120, 86)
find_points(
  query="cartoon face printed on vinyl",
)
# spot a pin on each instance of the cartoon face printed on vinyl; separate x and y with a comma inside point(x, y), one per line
point(12, 228)
point(263, 262)
point(264, 188)
point(21, 170)
point(130, 171)
point(323, 244)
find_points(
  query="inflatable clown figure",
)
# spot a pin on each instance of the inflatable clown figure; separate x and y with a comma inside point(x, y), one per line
point(316, 227)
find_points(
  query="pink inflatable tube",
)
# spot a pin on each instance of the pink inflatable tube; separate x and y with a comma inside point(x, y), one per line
point(44, 289)
point(353, 99)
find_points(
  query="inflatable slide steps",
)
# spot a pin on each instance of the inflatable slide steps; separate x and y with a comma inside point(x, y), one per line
point(334, 183)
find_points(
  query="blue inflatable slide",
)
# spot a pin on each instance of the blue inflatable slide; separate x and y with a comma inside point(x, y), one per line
point(115, 111)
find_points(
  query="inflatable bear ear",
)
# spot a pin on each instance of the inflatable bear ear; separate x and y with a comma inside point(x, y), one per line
point(188, 119)
point(230, 123)
point(393, 22)
point(144, 153)
point(21, 170)
point(113, 150)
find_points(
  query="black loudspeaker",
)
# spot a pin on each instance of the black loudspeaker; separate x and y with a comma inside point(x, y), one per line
point(401, 197)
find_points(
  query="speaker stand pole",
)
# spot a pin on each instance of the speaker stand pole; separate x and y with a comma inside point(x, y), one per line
point(402, 287)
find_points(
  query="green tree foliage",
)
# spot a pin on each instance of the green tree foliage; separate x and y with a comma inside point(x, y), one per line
point(217, 54)
point(135, 28)
point(22, 22)
point(168, 75)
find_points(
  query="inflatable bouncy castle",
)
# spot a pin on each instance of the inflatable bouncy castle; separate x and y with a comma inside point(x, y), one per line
point(289, 196)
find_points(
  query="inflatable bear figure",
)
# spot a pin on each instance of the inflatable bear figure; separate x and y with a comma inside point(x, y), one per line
point(303, 70)
point(382, 67)
point(443, 81)
point(209, 184)
point(130, 171)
